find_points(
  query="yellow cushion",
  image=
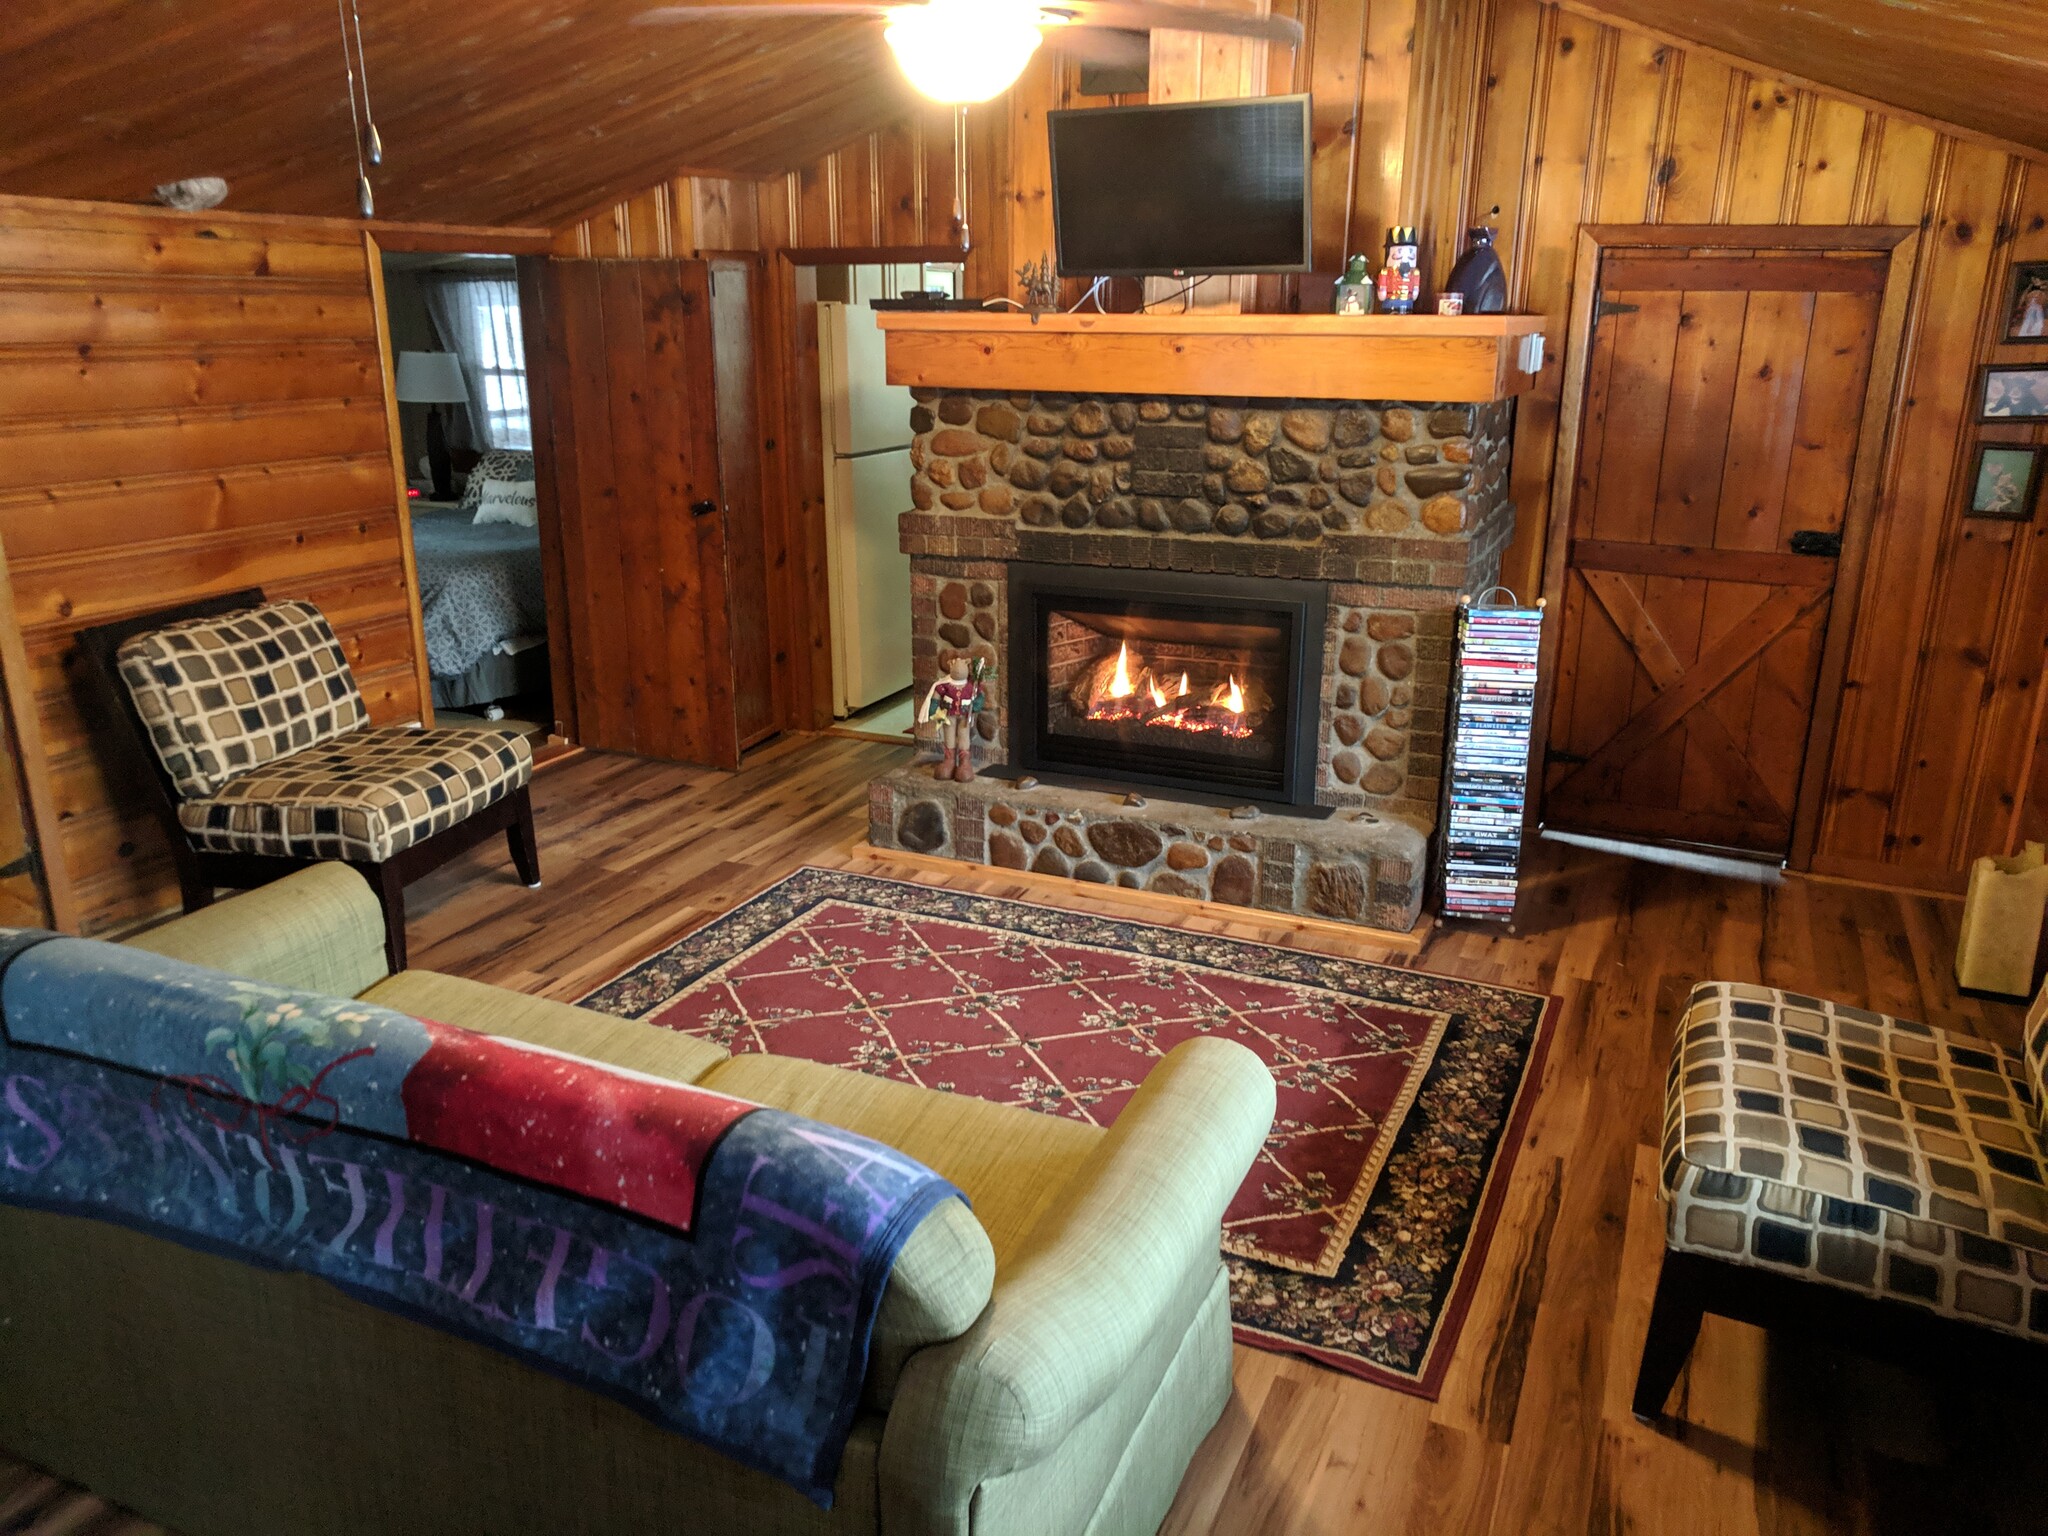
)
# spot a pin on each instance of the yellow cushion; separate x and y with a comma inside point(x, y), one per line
point(1012, 1163)
point(492, 1010)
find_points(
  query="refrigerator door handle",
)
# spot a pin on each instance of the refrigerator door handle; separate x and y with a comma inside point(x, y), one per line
point(869, 453)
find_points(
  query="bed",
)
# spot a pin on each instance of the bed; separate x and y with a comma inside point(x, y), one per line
point(481, 601)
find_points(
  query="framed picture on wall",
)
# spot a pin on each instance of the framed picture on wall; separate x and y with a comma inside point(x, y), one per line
point(2026, 317)
point(2013, 392)
point(2004, 480)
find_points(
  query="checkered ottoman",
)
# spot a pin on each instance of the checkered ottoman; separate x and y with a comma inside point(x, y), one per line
point(360, 797)
point(1814, 1141)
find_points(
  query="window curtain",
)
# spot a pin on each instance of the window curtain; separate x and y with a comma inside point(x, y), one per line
point(478, 320)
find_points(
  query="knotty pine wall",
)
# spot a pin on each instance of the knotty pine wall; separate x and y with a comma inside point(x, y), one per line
point(188, 404)
point(1582, 122)
point(1434, 111)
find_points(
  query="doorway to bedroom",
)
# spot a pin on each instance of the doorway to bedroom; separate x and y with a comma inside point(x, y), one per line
point(460, 376)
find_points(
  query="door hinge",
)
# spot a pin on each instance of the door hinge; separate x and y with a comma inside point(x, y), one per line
point(1615, 307)
point(1811, 541)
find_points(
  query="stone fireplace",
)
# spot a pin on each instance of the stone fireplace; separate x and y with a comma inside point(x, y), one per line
point(1253, 598)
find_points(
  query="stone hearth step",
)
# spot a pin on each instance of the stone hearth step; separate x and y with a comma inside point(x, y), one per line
point(1354, 865)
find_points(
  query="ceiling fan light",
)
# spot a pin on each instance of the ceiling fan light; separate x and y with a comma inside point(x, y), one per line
point(961, 51)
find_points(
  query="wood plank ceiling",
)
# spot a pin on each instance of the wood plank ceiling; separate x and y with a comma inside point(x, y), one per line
point(492, 111)
point(1979, 64)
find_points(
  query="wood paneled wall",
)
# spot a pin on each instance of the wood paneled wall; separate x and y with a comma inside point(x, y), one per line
point(188, 404)
point(1433, 112)
point(1583, 122)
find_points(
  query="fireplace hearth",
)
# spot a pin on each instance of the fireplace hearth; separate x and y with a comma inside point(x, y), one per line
point(1167, 680)
point(1233, 615)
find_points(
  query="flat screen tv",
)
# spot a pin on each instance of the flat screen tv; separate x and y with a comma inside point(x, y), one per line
point(1209, 186)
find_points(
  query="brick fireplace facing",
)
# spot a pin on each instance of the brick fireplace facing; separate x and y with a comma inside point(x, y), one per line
point(1399, 508)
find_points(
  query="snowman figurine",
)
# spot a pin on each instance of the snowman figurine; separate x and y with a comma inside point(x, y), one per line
point(954, 701)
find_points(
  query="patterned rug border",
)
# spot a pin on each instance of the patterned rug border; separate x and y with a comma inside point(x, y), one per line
point(640, 988)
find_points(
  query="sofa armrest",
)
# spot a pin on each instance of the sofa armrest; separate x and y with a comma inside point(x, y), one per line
point(317, 930)
point(1126, 1256)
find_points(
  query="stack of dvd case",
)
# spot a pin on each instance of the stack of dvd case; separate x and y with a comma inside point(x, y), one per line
point(1486, 788)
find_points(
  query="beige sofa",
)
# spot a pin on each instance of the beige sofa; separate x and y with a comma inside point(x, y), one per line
point(1046, 1364)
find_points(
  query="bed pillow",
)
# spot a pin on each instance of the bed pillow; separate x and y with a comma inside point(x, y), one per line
point(509, 501)
point(498, 464)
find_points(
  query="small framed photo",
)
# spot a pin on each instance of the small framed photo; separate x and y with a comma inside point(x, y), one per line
point(2013, 392)
point(2004, 480)
point(2026, 317)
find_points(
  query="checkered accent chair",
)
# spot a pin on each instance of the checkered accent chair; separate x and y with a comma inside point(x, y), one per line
point(1861, 1151)
point(261, 729)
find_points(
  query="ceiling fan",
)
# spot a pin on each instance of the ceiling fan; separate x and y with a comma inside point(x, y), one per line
point(961, 51)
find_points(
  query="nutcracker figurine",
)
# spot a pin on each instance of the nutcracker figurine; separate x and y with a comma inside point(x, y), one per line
point(954, 701)
point(1401, 278)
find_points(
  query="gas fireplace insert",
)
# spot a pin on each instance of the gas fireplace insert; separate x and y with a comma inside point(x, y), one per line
point(1187, 682)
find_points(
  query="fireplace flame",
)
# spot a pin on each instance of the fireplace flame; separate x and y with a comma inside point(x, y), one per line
point(1230, 697)
point(1158, 698)
point(1120, 684)
point(1182, 691)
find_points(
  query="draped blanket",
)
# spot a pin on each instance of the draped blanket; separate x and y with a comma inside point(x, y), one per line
point(715, 1265)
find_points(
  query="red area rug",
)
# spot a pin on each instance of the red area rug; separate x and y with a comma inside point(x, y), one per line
point(1358, 1236)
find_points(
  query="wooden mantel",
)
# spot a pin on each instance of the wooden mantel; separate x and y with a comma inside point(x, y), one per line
point(1324, 357)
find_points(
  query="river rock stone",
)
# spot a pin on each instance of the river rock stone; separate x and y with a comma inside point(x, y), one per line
point(1218, 457)
point(1080, 450)
point(1027, 474)
point(1186, 856)
point(1042, 447)
point(1444, 514)
point(1260, 428)
point(1380, 779)
point(1435, 479)
point(1068, 841)
point(1420, 453)
point(956, 410)
point(1045, 424)
point(1088, 419)
point(996, 500)
point(985, 626)
point(952, 443)
point(1038, 512)
point(923, 827)
point(1154, 410)
point(1000, 422)
point(1358, 487)
point(1340, 520)
point(1127, 844)
point(1247, 477)
point(1385, 744)
point(1307, 429)
point(1347, 766)
point(1048, 862)
point(973, 474)
point(956, 501)
point(1065, 479)
point(1272, 525)
point(1167, 883)
point(940, 472)
point(1387, 517)
point(1354, 657)
point(1118, 447)
point(1032, 831)
point(1348, 728)
point(1114, 514)
point(1397, 424)
point(957, 635)
point(1353, 428)
point(953, 600)
point(1006, 851)
point(1233, 520)
point(1372, 696)
point(1390, 626)
point(1225, 426)
point(1289, 467)
point(1076, 513)
point(1192, 516)
point(922, 495)
point(1152, 515)
point(1236, 880)
point(1451, 421)
point(1396, 661)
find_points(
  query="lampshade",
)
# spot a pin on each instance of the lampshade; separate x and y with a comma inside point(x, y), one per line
point(962, 51)
point(431, 378)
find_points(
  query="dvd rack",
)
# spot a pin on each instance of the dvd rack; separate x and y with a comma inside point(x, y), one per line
point(1493, 708)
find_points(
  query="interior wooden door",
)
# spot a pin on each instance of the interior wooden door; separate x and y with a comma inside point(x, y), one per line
point(631, 431)
point(735, 281)
point(1723, 409)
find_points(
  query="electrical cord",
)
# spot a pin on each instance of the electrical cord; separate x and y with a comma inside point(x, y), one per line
point(1182, 295)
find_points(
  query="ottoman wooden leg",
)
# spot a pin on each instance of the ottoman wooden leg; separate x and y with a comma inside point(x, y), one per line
point(1674, 1325)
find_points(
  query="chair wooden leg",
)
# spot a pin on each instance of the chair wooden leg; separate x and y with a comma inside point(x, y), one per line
point(1674, 1325)
point(195, 886)
point(520, 838)
point(390, 886)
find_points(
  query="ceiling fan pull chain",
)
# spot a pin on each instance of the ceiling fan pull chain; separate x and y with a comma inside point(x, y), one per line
point(373, 141)
point(366, 199)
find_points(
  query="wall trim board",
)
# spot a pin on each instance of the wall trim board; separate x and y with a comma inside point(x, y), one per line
point(234, 223)
point(373, 263)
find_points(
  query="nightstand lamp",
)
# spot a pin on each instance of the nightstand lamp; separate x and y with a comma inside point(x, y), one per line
point(434, 379)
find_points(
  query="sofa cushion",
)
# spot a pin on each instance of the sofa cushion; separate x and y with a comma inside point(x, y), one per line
point(1011, 1163)
point(224, 695)
point(363, 796)
point(541, 1021)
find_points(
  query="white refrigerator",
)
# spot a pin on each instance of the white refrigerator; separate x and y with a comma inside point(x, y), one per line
point(867, 486)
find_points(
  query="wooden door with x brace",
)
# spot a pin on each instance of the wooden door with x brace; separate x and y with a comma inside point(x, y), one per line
point(1730, 422)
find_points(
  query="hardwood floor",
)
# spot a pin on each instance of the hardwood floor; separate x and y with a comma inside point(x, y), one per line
point(1532, 1433)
